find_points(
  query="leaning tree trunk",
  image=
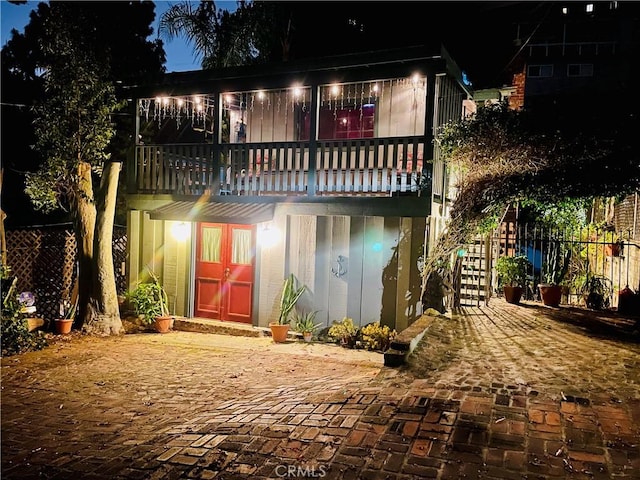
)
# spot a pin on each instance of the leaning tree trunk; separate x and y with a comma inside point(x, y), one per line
point(84, 226)
point(3, 238)
point(103, 316)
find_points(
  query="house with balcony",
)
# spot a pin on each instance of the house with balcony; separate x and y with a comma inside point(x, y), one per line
point(324, 168)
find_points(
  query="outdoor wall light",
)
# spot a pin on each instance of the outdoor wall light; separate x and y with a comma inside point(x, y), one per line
point(268, 235)
point(180, 231)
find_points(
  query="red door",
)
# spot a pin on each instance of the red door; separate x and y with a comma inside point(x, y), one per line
point(224, 271)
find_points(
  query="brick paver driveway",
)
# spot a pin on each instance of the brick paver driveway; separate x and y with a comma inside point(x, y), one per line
point(502, 392)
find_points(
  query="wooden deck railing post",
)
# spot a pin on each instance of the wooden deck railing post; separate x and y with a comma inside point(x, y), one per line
point(313, 141)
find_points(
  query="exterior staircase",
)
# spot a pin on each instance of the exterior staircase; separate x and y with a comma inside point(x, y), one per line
point(475, 272)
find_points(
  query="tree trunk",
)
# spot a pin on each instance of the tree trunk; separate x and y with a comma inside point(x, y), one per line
point(103, 312)
point(433, 295)
point(3, 238)
point(84, 226)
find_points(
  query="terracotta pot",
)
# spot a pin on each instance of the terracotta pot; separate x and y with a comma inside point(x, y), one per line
point(512, 294)
point(162, 324)
point(307, 336)
point(63, 325)
point(279, 332)
point(551, 294)
point(612, 250)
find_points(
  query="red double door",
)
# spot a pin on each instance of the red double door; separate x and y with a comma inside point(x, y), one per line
point(224, 271)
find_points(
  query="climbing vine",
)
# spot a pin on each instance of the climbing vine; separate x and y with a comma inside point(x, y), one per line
point(500, 156)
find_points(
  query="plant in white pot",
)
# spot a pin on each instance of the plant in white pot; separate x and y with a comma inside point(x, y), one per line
point(512, 276)
point(67, 315)
point(291, 292)
point(305, 324)
point(150, 301)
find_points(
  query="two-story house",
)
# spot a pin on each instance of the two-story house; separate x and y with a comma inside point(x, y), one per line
point(324, 168)
point(576, 55)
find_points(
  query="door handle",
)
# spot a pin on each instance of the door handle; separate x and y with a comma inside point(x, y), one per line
point(227, 272)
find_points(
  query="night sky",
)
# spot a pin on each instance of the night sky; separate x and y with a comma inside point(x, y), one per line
point(478, 35)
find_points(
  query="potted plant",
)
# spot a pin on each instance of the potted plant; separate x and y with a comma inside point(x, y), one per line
point(512, 276)
point(291, 292)
point(67, 315)
point(151, 304)
point(345, 332)
point(596, 290)
point(305, 324)
point(554, 270)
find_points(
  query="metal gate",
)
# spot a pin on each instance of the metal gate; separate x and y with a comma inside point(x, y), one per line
point(571, 254)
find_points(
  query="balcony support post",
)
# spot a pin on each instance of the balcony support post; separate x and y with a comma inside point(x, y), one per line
point(216, 151)
point(132, 157)
point(430, 126)
point(313, 140)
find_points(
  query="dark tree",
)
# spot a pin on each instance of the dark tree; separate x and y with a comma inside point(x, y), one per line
point(61, 75)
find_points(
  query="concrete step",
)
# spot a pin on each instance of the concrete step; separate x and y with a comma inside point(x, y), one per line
point(206, 325)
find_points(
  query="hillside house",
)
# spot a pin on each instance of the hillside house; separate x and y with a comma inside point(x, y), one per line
point(326, 169)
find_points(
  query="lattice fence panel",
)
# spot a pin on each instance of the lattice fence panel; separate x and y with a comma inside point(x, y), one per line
point(627, 216)
point(120, 258)
point(44, 262)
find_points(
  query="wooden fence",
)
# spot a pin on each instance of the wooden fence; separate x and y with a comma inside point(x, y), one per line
point(44, 261)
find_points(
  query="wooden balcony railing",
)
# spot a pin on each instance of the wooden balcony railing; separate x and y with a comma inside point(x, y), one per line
point(381, 167)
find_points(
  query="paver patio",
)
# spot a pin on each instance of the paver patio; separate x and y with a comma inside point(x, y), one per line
point(502, 392)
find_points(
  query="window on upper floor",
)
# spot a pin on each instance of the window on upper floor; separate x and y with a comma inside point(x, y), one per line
point(347, 122)
point(374, 108)
point(580, 70)
point(540, 71)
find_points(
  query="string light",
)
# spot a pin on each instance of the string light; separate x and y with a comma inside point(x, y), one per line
point(197, 109)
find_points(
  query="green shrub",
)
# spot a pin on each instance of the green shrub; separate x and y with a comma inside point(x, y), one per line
point(149, 300)
point(15, 336)
point(344, 331)
point(512, 271)
point(376, 337)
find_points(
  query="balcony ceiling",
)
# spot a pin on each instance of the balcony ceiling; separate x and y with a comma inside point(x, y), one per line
point(214, 212)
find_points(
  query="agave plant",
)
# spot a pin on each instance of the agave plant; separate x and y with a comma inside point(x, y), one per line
point(305, 322)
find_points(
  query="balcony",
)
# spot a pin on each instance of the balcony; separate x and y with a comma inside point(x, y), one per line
point(390, 166)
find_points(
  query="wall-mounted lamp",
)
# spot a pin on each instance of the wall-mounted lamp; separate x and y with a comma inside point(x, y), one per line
point(268, 235)
point(180, 231)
